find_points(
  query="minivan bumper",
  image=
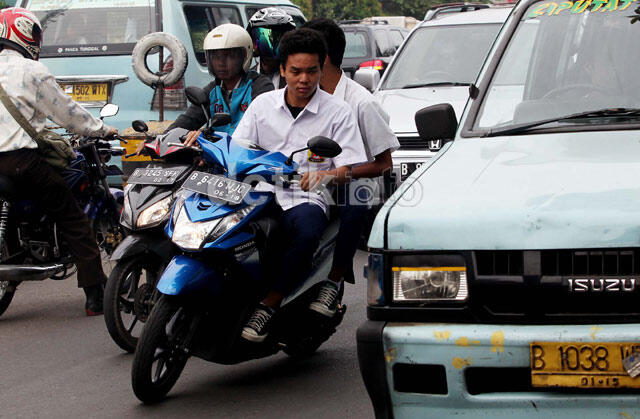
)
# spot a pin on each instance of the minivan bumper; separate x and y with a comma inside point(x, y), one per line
point(436, 370)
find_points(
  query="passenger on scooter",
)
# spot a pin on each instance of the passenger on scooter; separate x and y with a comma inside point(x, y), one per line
point(229, 50)
point(284, 120)
point(379, 142)
point(266, 27)
point(37, 95)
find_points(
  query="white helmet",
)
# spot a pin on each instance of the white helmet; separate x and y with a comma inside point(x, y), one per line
point(227, 36)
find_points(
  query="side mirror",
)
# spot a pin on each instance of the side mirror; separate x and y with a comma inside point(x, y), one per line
point(324, 147)
point(437, 122)
point(197, 96)
point(110, 109)
point(139, 126)
point(220, 119)
point(367, 78)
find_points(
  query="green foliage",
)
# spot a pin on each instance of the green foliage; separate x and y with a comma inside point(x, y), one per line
point(7, 3)
point(339, 9)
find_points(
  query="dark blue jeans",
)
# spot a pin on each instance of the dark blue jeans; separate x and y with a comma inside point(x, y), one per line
point(353, 217)
point(303, 226)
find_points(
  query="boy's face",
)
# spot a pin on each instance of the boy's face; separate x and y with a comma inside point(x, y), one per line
point(302, 73)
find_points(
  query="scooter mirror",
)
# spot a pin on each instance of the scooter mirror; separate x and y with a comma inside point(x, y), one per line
point(139, 126)
point(324, 147)
point(220, 119)
point(197, 96)
point(110, 109)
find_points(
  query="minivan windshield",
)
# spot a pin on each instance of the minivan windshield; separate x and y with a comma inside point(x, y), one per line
point(96, 27)
point(441, 55)
point(567, 63)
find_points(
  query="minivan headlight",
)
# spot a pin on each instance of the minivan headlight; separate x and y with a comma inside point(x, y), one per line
point(429, 283)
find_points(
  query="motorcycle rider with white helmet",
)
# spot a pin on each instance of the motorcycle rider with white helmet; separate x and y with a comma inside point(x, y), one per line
point(37, 96)
point(266, 28)
point(229, 50)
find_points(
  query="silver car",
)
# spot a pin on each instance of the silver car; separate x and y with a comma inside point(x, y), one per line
point(437, 63)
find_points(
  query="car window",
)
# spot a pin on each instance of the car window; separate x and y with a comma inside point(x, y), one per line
point(357, 42)
point(202, 19)
point(552, 69)
point(396, 39)
point(441, 54)
point(383, 47)
point(99, 27)
point(7, 3)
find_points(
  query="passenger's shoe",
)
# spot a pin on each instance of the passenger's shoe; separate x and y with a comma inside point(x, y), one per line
point(326, 303)
point(95, 296)
point(257, 328)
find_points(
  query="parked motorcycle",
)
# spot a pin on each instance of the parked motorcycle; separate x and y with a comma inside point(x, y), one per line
point(144, 253)
point(30, 249)
point(209, 290)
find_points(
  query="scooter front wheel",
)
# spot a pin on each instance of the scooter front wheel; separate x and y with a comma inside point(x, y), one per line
point(7, 289)
point(162, 350)
point(129, 296)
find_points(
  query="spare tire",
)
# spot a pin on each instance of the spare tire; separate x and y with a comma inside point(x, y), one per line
point(146, 44)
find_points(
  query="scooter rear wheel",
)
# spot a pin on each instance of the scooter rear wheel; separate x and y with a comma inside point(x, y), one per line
point(161, 353)
point(129, 297)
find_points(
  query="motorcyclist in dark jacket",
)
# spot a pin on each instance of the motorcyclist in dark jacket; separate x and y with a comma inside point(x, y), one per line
point(229, 51)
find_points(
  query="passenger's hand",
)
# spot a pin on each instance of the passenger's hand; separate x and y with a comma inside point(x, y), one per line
point(311, 180)
point(191, 138)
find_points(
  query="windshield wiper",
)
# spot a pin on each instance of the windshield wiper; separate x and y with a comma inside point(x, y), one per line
point(588, 114)
point(437, 83)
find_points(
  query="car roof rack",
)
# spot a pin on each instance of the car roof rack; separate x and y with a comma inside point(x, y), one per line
point(441, 9)
point(365, 21)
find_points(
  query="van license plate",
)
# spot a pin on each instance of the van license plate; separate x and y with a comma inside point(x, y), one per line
point(581, 365)
point(86, 92)
point(407, 168)
point(217, 187)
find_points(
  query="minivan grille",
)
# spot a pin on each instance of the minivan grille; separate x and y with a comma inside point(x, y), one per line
point(413, 143)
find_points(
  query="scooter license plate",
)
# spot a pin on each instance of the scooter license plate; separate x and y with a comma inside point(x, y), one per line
point(217, 187)
point(164, 175)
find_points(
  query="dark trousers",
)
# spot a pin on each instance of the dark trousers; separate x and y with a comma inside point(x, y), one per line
point(37, 180)
point(303, 226)
point(353, 217)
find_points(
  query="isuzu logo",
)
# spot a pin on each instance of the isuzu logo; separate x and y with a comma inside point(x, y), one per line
point(602, 285)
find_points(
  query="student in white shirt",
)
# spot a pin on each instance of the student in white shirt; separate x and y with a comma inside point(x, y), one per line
point(284, 120)
point(379, 142)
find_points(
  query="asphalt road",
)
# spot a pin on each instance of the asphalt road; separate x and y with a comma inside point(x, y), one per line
point(55, 363)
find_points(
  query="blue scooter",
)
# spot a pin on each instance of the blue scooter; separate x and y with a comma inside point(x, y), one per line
point(212, 286)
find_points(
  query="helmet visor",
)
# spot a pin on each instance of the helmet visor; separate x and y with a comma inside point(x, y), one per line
point(225, 63)
point(266, 40)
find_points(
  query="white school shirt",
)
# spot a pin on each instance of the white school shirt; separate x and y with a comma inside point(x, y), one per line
point(37, 95)
point(269, 123)
point(373, 121)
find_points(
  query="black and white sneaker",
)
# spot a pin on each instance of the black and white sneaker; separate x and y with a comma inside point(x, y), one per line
point(256, 329)
point(326, 303)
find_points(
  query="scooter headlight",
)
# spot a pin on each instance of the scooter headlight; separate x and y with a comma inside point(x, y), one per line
point(189, 235)
point(229, 222)
point(155, 214)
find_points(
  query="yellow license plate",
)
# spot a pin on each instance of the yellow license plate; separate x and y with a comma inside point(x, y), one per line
point(581, 365)
point(86, 92)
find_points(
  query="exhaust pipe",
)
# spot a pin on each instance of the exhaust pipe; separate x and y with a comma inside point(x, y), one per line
point(20, 273)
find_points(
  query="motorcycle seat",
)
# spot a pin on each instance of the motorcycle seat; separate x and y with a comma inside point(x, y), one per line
point(8, 187)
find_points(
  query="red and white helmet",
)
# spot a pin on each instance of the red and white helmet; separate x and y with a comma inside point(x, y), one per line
point(21, 29)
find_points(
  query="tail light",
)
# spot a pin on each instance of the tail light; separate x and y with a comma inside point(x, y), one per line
point(375, 64)
point(174, 96)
